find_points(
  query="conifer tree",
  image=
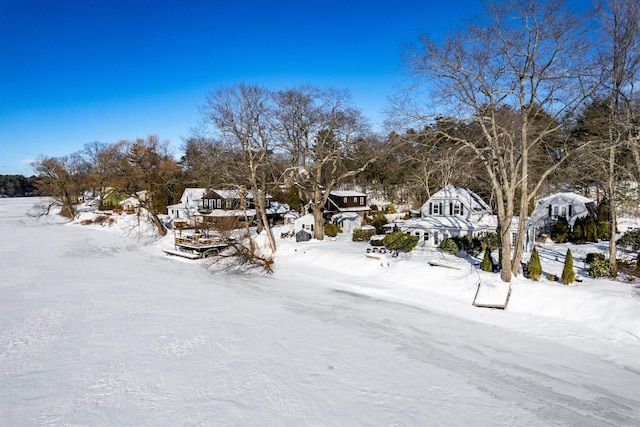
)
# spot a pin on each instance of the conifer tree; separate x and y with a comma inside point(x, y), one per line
point(590, 229)
point(568, 275)
point(578, 233)
point(560, 230)
point(487, 262)
point(602, 223)
point(535, 268)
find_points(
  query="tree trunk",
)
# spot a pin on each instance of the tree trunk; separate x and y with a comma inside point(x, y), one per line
point(316, 207)
point(613, 264)
point(505, 249)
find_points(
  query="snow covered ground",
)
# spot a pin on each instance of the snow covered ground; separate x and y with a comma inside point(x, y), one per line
point(102, 329)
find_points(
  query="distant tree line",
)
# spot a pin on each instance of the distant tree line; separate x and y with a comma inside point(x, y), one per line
point(17, 186)
point(534, 96)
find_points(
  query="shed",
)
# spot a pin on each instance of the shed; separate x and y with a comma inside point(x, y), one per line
point(306, 224)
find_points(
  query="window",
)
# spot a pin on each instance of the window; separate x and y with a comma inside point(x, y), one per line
point(344, 200)
point(457, 209)
point(436, 211)
point(218, 203)
point(563, 211)
point(355, 200)
point(556, 210)
point(362, 201)
point(228, 203)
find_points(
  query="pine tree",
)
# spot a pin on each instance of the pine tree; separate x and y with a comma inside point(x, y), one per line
point(535, 268)
point(487, 261)
point(568, 275)
point(603, 220)
point(560, 230)
point(578, 232)
point(590, 229)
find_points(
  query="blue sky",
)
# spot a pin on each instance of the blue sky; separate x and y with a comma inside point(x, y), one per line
point(77, 71)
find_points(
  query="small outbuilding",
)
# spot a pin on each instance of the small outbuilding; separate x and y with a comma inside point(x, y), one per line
point(303, 228)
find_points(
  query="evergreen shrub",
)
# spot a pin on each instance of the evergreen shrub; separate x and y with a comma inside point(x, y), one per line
point(449, 246)
point(592, 256)
point(487, 261)
point(560, 230)
point(399, 241)
point(599, 268)
point(631, 239)
point(491, 241)
point(379, 222)
point(534, 266)
point(568, 275)
point(360, 235)
point(331, 229)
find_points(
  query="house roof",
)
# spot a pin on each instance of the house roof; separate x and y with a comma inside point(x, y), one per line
point(465, 195)
point(226, 194)
point(192, 194)
point(565, 198)
point(346, 216)
point(236, 212)
point(277, 208)
point(339, 193)
point(229, 194)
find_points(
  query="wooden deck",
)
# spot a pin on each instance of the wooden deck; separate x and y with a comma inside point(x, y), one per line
point(189, 255)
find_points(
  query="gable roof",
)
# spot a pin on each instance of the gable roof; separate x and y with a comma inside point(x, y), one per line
point(339, 193)
point(566, 197)
point(226, 194)
point(192, 194)
point(465, 195)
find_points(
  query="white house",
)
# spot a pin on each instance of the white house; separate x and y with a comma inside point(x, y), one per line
point(188, 205)
point(568, 205)
point(132, 204)
point(455, 201)
point(347, 221)
point(454, 211)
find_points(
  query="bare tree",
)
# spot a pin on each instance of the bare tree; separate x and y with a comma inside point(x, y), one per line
point(60, 179)
point(100, 158)
point(621, 63)
point(526, 58)
point(242, 114)
point(204, 157)
point(323, 135)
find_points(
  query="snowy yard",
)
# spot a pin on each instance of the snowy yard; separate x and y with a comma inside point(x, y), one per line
point(101, 329)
